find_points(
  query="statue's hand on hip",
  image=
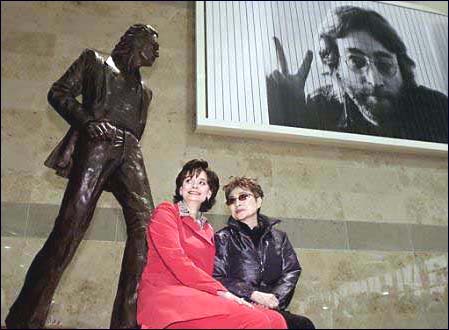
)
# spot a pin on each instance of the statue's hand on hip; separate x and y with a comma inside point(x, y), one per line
point(100, 130)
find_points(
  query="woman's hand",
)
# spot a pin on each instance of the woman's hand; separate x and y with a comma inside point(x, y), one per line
point(266, 299)
point(230, 296)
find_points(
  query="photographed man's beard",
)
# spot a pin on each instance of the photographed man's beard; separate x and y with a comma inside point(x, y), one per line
point(375, 103)
point(378, 105)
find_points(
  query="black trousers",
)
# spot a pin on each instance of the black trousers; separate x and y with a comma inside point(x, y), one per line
point(295, 321)
point(97, 165)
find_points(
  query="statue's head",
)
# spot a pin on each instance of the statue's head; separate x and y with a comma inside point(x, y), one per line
point(137, 47)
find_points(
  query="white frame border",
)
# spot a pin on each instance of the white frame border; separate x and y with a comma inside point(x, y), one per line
point(295, 134)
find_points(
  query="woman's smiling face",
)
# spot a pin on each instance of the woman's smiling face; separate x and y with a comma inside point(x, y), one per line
point(195, 188)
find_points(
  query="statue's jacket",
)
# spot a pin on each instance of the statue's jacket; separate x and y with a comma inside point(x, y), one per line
point(87, 76)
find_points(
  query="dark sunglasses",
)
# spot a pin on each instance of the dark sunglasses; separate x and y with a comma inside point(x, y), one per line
point(241, 197)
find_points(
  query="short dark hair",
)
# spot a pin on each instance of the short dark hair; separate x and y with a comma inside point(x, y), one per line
point(244, 183)
point(346, 19)
point(195, 167)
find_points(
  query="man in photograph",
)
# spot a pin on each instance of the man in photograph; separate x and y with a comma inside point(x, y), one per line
point(372, 91)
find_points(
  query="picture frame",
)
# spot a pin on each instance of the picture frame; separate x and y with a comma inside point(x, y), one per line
point(214, 60)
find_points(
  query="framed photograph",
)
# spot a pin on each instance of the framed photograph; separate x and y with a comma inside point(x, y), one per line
point(361, 74)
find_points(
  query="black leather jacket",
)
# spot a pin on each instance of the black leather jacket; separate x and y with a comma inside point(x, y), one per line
point(242, 268)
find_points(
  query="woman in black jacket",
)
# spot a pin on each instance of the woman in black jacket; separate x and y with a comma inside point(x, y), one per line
point(253, 259)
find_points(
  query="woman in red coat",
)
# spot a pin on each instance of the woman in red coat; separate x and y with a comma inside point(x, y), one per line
point(177, 289)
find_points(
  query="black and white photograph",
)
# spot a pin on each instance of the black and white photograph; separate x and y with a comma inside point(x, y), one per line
point(361, 68)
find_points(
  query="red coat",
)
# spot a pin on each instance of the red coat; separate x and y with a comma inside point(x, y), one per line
point(177, 283)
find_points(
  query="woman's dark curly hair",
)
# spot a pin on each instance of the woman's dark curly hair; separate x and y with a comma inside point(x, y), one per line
point(346, 19)
point(194, 168)
point(244, 183)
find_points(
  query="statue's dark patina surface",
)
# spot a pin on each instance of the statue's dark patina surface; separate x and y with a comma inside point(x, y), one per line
point(101, 151)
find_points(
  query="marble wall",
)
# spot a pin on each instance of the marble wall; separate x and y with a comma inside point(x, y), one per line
point(363, 196)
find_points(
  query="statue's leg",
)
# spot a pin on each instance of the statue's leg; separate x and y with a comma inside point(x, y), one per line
point(85, 184)
point(132, 190)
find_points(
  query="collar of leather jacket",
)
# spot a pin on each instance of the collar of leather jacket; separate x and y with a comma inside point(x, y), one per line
point(266, 222)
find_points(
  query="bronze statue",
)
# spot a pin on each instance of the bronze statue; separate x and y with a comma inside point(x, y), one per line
point(101, 151)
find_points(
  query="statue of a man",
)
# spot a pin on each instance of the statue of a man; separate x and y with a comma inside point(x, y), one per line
point(101, 151)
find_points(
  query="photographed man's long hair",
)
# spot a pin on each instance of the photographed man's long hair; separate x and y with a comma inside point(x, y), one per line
point(346, 19)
